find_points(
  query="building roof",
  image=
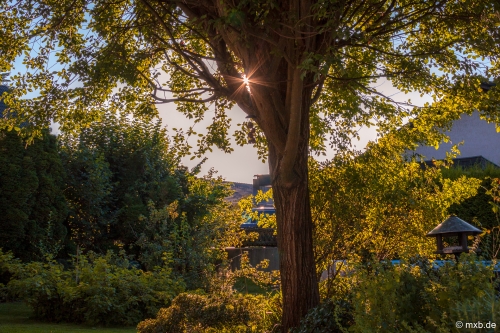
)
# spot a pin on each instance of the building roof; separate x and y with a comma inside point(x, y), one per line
point(467, 162)
point(453, 225)
point(486, 86)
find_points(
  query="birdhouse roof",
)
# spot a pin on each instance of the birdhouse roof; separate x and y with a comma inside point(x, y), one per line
point(453, 225)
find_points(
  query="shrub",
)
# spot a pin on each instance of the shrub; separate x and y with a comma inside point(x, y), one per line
point(221, 309)
point(329, 317)
point(6, 259)
point(419, 298)
point(389, 298)
point(200, 313)
point(411, 297)
point(484, 309)
point(98, 290)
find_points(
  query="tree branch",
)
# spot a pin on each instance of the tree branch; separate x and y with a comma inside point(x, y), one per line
point(293, 135)
point(318, 91)
point(182, 99)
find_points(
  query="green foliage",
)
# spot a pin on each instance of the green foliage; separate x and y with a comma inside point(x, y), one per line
point(5, 260)
point(115, 168)
point(18, 183)
point(482, 209)
point(98, 290)
point(223, 309)
point(417, 298)
point(329, 317)
point(263, 220)
point(476, 209)
point(255, 274)
point(482, 309)
point(124, 187)
point(190, 235)
point(490, 240)
point(312, 68)
point(208, 314)
point(413, 296)
point(347, 48)
point(379, 203)
point(393, 298)
point(89, 197)
point(31, 196)
point(475, 171)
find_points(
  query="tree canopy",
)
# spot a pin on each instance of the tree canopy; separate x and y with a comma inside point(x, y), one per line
point(31, 196)
point(114, 168)
point(380, 204)
point(76, 52)
point(305, 72)
point(118, 172)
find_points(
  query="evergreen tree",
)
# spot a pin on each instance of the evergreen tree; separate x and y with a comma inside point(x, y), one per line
point(115, 168)
point(31, 196)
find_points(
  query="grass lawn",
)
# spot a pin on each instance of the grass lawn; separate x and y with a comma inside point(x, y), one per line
point(14, 318)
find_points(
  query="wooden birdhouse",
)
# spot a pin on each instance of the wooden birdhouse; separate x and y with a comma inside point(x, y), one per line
point(453, 232)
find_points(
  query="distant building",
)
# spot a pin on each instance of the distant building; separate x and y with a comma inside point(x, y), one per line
point(481, 143)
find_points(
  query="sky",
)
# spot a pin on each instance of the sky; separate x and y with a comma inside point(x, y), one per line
point(239, 166)
point(242, 164)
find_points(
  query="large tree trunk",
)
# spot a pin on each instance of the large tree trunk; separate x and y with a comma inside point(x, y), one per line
point(291, 199)
point(298, 272)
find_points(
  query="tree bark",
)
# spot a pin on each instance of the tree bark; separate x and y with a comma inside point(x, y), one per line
point(291, 198)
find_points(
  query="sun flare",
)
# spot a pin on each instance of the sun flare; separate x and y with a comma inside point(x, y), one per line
point(246, 81)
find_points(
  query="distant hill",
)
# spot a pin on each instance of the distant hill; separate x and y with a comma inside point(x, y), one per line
point(241, 190)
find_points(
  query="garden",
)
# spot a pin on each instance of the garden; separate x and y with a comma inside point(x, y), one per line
point(156, 261)
point(104, 227)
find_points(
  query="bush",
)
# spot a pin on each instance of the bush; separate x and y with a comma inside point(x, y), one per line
point(98, 290)
point(5, 260)
point(329, 317)
point(220, 310)
point(419, 298)
point(207, 313)
point(411, 297)
point(484, 309)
